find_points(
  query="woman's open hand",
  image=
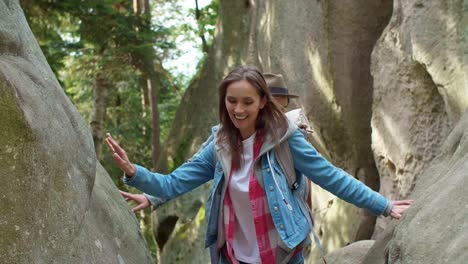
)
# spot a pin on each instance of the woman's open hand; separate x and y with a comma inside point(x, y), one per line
point(400, 207)
point(140, 199)
point(120, 157)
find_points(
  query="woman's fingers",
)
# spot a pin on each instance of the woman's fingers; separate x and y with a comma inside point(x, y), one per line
point(119, 156)
point(109, 144)
point(120, 162)
point(400, 207)
point(125, 195)
point(125, 165)
point(395, 215)
point(143, 202)
point(403, 202)
point(114, 146)
point(140, 199)
point(140, 206)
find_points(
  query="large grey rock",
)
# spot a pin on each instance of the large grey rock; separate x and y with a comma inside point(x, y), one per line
point(110, 232)
point(420, 90)
point(352, 254)
point(51, 210)
point(435, 228)
point(48, 165)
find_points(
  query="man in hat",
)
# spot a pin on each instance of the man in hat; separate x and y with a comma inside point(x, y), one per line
point(278, 89)
point(280, 92)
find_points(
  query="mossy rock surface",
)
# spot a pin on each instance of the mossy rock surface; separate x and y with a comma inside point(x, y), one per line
point(57, 204)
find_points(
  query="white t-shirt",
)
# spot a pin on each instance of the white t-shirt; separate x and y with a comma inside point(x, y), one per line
point(244, 242)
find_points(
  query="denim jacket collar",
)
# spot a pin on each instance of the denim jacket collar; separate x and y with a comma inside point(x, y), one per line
point(223, 155)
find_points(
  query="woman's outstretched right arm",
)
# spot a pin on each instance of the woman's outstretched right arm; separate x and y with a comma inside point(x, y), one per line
point(184, 179)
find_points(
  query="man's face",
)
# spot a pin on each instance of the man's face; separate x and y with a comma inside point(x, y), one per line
point(282, 100)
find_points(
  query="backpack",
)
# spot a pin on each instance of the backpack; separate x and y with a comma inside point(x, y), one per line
point(284, 157)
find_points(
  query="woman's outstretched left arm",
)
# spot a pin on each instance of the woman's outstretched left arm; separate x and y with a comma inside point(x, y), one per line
point(309, 162)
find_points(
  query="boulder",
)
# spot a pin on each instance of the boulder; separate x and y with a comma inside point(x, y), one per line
point(434, 228)
point(420, 91)
point(352, 254)
point(55, 206)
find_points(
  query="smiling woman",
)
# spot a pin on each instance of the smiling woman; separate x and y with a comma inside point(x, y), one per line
point(243, 103)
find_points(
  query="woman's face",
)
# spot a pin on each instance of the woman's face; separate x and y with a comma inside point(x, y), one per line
point(243, 104)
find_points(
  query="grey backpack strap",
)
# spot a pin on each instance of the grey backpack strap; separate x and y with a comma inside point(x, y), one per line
point(319, 246)
point(285, 160)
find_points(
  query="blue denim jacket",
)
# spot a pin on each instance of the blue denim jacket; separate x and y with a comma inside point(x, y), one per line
point(291, 221)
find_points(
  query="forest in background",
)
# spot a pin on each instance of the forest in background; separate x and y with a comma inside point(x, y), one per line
point(109, 57)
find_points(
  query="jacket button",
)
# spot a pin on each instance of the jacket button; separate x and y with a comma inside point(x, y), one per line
point(281, 227)
point(268, 170)
point(275, 208)
point(271, 188)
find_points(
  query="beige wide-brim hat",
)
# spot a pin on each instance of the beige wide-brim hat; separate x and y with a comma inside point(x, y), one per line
point(277, 85)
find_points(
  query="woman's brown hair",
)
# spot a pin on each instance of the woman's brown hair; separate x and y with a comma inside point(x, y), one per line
point(270, 119)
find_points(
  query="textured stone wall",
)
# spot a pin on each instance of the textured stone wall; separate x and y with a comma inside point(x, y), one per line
point(420, 90)
point(434, 229)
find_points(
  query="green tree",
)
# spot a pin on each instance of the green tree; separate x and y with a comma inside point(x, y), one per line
point(206, 20)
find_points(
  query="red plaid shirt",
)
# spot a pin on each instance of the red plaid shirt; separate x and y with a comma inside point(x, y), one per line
point(267, 236)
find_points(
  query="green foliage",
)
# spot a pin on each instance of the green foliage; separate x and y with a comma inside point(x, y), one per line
point(54, 31)
point(130, 124)
point(81, 38)
point(206, 19)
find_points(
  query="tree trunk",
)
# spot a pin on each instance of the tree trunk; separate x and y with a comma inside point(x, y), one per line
point(137, 7)
point(145, 102)
point(98, 112)
point(149, 98)
point(146, 7)
point(146, 65)
point(153, 96)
